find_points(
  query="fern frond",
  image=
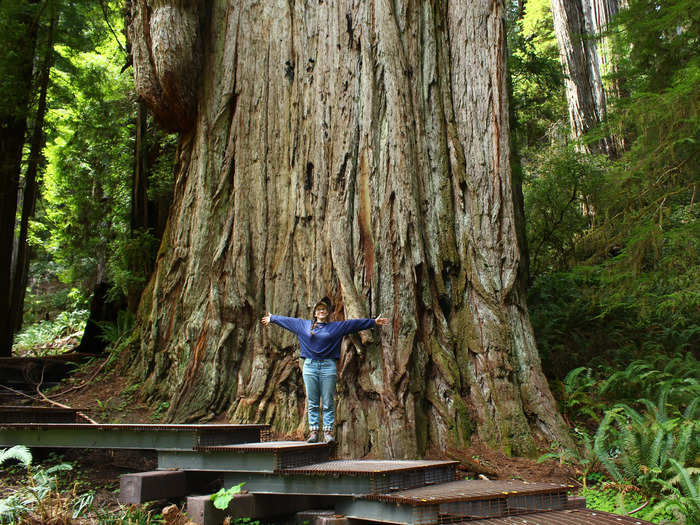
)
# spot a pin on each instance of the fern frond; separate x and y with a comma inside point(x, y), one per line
point(18, 452)
point(690, 487)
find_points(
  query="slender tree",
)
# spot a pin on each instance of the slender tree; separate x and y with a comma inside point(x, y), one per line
point(18, 21)
point(21, 267)
point(353, 149)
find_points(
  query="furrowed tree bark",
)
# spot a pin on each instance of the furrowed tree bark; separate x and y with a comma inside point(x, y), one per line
point(353, 149)
point(576, 24)
point(21, 42)
point(21, 274)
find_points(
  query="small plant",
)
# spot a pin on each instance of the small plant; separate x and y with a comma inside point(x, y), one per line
point(39, 497)
point(577, 402)
point(222, 498)
point(584, 456)
point(113, 333)
point(158, 412)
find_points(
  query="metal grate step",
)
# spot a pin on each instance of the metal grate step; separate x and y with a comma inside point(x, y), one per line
point(265, 457)
point(386, 475)
point(457, 501)
point(564, 517)
point(126, 436)
point(344, 477)
point(29, 414)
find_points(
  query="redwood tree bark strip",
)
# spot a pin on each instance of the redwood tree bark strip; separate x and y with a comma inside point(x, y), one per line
point(358, 150)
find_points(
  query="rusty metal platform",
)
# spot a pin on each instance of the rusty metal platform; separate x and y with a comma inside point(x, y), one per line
point(266, 446)
point(128, 436)
point(264, 457)
point(564, 517)
point(366, 467)
point(30, 414)
point(469, 490)
point(457, 501)
point(385, 475)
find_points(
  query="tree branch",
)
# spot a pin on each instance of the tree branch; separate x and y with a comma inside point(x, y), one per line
point(106, 15)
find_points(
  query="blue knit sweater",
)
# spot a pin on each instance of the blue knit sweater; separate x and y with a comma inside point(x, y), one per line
point(326, 339)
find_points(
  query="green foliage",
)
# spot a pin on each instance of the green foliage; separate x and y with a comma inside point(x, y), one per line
point(35, 497)
point(19, 453)
point(624, 501)
point(113, 333)
point(639, 447)
point(158, 412)
point(561, 187)
point(44, 332)
point(684, 501)
point(615, 243)
point(584, 456)
point(538, 100)
point(222, 498)
point(576, 400)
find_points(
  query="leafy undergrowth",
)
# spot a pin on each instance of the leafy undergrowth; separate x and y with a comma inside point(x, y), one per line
point(51, 337)
point(66, 489)
point(623, 501)
point(638, 437)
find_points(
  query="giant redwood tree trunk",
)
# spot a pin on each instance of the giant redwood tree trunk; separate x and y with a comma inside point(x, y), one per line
point(356, 149)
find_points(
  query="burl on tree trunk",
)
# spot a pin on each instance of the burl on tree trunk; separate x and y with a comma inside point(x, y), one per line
point(353, 149)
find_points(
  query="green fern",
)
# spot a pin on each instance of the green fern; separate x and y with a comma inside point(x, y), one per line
point(18, 452)
point(686, 500)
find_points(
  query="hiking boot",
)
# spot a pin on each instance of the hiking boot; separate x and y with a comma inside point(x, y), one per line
point(328, 437)
point(313, 437)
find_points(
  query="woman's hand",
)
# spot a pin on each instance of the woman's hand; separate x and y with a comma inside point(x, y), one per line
point(266, 319)
point(381, 321)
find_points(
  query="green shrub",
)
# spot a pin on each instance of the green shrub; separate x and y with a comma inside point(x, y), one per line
point(45, 332)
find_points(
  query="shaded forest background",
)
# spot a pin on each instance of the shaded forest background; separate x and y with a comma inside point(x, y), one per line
point(611, 211)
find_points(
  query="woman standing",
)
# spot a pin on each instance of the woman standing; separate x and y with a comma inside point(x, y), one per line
point(320, 348)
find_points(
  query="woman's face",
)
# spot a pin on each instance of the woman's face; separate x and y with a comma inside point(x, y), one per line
point(321, 314)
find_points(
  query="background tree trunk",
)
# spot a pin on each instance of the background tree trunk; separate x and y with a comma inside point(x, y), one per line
point(353, 149)
point(20, 40)
point(576, 22)
point(31, 190)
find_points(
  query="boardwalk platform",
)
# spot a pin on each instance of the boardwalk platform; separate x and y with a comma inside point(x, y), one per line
point(152, 437)
point(418, 492)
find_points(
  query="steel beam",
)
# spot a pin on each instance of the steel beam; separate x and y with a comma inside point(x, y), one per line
point(387, 513)
point(271, 456)
point(139, 437)
point(259, 483)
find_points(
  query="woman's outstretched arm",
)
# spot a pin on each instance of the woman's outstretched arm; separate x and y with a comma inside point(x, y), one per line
point(288, 323)
point(356, 325)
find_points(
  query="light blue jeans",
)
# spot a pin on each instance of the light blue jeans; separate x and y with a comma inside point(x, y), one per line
point(320, 376)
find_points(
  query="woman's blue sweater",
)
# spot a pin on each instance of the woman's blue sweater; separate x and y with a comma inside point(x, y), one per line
point(325, 341)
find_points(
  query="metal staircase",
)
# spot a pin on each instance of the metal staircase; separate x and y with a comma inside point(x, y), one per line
point(417, 492)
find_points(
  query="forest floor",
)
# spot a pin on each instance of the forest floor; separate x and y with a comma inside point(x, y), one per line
point(107, 397)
